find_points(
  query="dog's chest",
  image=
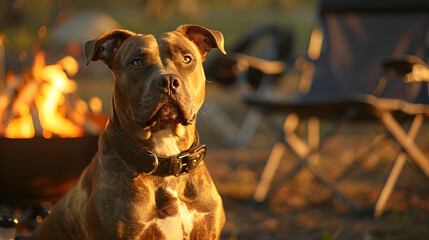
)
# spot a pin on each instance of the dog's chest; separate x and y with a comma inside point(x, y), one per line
point(171, 216)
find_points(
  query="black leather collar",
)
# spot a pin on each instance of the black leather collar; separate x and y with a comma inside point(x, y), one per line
point(148, 162)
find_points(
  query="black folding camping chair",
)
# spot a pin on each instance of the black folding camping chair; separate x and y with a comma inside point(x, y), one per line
point(254, 64)
point(367, 48)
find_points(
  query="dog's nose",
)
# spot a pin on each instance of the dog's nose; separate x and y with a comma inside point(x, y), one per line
point(168, 82)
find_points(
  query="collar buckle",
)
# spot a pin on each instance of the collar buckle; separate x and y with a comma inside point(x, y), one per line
point(178, 167)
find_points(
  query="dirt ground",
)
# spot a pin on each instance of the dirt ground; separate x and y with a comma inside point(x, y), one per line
point(303, 208)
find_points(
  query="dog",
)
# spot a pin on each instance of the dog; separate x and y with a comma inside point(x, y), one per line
point(148, 179)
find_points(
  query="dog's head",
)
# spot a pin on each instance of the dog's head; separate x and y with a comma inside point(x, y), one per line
point(159, 80)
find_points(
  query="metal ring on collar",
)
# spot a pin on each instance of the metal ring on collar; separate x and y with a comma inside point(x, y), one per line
point(155, 163)
point(180, 168)
point(183, 156)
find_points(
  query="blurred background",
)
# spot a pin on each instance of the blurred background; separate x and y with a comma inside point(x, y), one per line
point(302, 208)
point(62, 27)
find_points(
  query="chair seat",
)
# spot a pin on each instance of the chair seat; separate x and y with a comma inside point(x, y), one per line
point(366, 107)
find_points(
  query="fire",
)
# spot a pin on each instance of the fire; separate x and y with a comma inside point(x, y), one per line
point(21, 127)
point(51, 97)
point(44, 101)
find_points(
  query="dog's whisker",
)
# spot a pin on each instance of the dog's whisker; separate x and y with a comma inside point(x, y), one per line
point(172, 120)
point(204, 114)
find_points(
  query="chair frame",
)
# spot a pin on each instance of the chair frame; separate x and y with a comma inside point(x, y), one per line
point(308, 152)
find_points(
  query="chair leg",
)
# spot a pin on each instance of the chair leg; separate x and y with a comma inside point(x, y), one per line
point(408, 144)
point(304, 153)
point(313, 133)
point(297, 145)
point(334, 189)
point(362, 155)
point(268, 174)
point(390, 184)
point(263, 187)
point(396, 170)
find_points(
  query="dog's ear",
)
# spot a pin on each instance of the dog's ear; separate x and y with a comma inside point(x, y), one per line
point(204, 38)
point(104, 47)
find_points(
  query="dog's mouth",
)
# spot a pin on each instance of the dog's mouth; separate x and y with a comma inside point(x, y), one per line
point(165, 115)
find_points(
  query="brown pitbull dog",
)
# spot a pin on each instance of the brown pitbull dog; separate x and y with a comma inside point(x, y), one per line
point(148, 179)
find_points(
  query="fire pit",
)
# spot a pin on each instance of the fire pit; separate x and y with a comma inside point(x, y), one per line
point(39, 169)
point(47, 133)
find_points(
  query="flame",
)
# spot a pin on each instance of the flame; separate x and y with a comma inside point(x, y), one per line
point(51, 101)
point(21, 127)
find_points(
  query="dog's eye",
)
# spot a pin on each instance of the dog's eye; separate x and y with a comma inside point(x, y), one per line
point(137, 63)
point(187, 59)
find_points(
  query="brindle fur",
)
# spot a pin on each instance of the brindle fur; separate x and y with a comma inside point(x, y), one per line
point(111, 199)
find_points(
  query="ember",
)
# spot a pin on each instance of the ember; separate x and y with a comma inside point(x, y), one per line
point(43, 102)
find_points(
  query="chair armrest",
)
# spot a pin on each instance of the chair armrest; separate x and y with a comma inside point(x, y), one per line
point(245, 62)
point(412, 68)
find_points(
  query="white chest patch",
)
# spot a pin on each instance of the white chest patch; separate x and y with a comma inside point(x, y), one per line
point(180, 225)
